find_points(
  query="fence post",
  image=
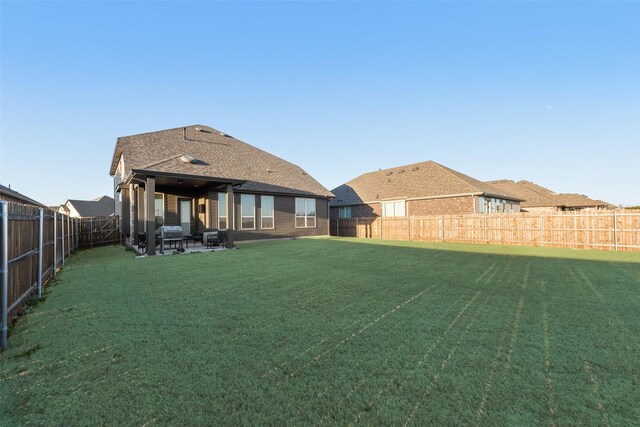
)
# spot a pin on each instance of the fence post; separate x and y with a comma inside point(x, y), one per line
point(380, 228)
point(77, 226)
point(55, 242)
point(69, 235)
point(409, 227)
point(338, 226)
point(4, 271)
point(615, 229)
point(91, 231)
point(442, 227)
point(40, 246)
point(62, 235)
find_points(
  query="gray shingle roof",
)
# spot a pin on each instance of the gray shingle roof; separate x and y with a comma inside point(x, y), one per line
point(536, 196)
point(101, 206)
point(7, 193)
point(219, 156)
point(425, 179)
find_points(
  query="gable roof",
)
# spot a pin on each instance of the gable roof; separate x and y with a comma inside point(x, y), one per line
point(7, 193)
point(533, 194)
point(217, 155)
point(100, 206)
point(538, 196)
point(419, 180)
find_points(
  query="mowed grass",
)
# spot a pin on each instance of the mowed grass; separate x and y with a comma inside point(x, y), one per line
point(333, 331)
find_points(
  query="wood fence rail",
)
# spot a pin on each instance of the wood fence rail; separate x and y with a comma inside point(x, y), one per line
point(617, 230)
point(34, 243)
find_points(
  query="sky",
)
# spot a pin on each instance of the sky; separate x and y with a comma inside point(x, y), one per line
point(542, 91)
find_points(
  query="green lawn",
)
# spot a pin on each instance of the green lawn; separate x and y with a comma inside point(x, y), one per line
point(332, 331)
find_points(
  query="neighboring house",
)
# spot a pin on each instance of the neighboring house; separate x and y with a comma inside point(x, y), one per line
point(100, 206)
point(537, 198)
point(200, 178)
point(10, 195)
point(426, 188)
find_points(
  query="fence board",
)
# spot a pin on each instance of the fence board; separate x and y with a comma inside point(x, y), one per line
point(60, 240)
point(603, 230)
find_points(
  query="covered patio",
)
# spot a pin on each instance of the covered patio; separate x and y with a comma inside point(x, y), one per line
point(166, 199)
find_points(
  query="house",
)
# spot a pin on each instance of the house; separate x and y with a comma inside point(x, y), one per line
point(538, 198)
point(6, 193)
point(100, 206)
point(201, 178)
point(426, 188)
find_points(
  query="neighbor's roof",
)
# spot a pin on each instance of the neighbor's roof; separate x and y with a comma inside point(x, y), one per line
point(538, 196)
point(100, 206)
point(7, 193)
point(219, 156)
point(534, 196)
point(419, 180)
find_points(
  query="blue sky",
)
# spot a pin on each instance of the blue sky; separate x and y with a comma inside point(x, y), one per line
point(543, 91)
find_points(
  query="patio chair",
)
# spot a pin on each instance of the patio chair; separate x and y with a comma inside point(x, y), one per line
point(213, 238)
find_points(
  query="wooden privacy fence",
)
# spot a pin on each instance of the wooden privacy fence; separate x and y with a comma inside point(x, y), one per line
point(617, 230)
point(34, 243)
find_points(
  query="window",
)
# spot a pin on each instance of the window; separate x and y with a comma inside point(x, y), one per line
point(305, 213)
point(248, 212)
point(344, 212)
point(159, 209)
point(266, 210)
point(394, 208)
point(222, 211)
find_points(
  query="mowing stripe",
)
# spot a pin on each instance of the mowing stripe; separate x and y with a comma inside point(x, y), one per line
point(547, 355)
point(443, 365)
point(60, 362)
point(359, 332)
point(596, 392)
point(379, 369)
point(486, 271)
point(591, 285)
point(433, 346)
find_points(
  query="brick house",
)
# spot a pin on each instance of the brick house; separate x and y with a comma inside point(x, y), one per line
point(540, 199)
point(100, 206)
point(200, 178)
point(419, 189)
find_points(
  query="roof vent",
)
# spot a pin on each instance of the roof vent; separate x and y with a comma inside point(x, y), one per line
point(415, 169)
point(188, 159)
point(401, 171)
point(389, 173)
point(203, 130)
point(223, 134)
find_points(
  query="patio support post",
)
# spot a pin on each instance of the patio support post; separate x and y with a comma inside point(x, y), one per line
point(4, 271)
point(150, 214)
point(230, 219)
point(140, 212)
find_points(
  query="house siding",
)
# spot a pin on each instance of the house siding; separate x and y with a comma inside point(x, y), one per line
point(284, 216)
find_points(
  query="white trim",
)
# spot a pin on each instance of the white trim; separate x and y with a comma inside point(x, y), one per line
point(225, 211)
point(254, 212)
point(306, 217)
point(273, 212)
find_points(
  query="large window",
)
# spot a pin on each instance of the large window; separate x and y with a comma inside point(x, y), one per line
point(344, 212)
point(222, 211)
point(159, 209)
point(248, 212)
point(305, 213)
point(394, 208)
point(266, 210)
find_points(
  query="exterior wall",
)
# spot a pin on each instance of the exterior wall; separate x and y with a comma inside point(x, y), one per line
point(284, 220)
point(284, 216)
point(361, 211)
point(444, 206)
point(541, 209)
point(124, 212)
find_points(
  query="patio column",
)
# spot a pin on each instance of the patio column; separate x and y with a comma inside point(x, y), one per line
point(139, 212)
point(150, 215)
point(230, 218)
point(133, 210)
